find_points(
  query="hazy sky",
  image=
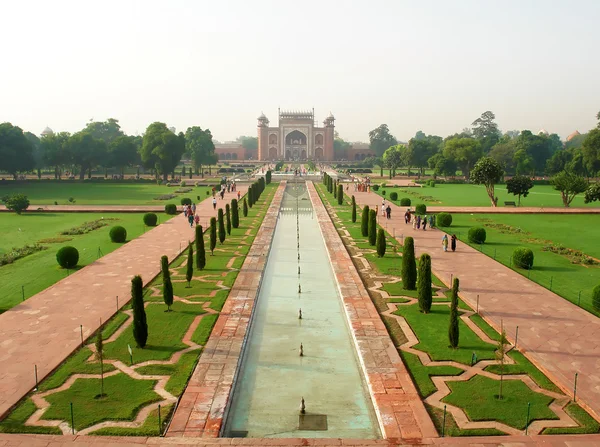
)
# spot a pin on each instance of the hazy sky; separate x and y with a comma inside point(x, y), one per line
point(415, 65)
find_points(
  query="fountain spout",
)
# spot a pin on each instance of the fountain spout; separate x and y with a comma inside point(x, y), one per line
point(301, 351)
point(302, 406)
point(299, 314)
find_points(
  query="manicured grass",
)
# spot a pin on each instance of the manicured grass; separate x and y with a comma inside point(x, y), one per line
point(40, 270)
point(421, 374)
point(396, 289)
point(89, 410)
point(475, 195)
point(148, 428)
point(486, 328)
point(204, 329)
point(15, 421)
point(587, 423)
point(113, 325)
point(46, 193)
point(180, 372)
point(451, 429)
point(550, 270)
point(524, 366)
point(478, 398)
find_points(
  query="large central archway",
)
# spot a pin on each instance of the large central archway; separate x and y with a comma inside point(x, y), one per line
point(295, 138)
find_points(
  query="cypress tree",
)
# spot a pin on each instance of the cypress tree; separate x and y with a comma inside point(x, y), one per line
point(221, 225)
point(340, 194)
point(409, 265)
point(189, 273)
point(245, 208)
point(353, 209)
point(213, 235)
point(228, 219)
point(235, 214)
point(167, 284)
point(250, 196)
point(335, 191)
point(268, 177)
point(380, 243)
point(140, 326)
point(424, 283)
point(364, 222)
point(200, 252)
point(453, 328)
point(372, 227)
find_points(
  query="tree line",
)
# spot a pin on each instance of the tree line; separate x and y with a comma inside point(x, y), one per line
point(104, 144)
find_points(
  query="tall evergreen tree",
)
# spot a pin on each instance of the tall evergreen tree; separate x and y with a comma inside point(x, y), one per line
point(221, 225)
point(213, 235)
point(200, 251)
point(235, 214)
point(409, 265)
point(335, 190)
point(189, 273)
point(167, 284)
point(228, 219)
point(380, 243)
point(245, 208)
point(453, 334)
point(250, 196)
point(353, 209)
point(424, 283)
point(364, 222)
point(372, 227)
point(340, 194)
point(140, 326)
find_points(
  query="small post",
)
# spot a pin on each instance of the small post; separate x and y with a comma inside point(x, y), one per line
point(494, 254)
point(477, 311)
point(517, 336)
point(299, 289)
point(36, 377)
point(298, 270)
point(159, 424)
point(575, 389)
point(72, 420)
point(444, 423)
point(551, 284)
point(527, 422)
point(579, 299)
point(81, 331)
point(299, 314)
point(117, 303)
point(22, 293)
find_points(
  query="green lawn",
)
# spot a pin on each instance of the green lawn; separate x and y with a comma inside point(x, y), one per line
point(39, 270)
point(46, 192)
point(551, 270)
point(475, 195)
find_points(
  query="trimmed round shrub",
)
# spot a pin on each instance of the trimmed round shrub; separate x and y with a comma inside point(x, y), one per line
point(444, 220)
point(383, 193)
point(421, 208)
point(171, 208)
point(394, 195)
point(375, 187)
point(118, 234)
point(432, 183)
point(405, 201)
point(186, 201)
point(523, 257)
point(596, 298)
point(150, 219)
point(67, 257)
point(477, 235)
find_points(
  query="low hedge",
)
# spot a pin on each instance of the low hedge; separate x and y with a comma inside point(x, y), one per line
point(118, 234)
point(394, 196)
point(523, 257)
point(477, 235)
point(405, 201)
point(421, 208)
point(67, 257)
point(150, 219)
point(443, 220)
point(171, 208)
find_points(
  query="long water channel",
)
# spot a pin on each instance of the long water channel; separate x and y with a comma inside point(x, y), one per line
point(274, 377)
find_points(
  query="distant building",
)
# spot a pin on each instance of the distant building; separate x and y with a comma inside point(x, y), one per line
point(47, 131)
point(357, 152)
point(573, 135)
point(233, 151)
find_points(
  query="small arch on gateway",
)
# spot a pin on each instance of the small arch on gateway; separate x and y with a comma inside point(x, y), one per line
point(273, 153)
point(272, 139)
point(319, 139)
point(319, 153)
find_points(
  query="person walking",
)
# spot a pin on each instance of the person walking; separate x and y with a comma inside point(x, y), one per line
point(445, 242)
point(388, 211)
point(383, 210)
point(424, 222)
point(238, 195)
point(453, 242)
point(418, 222)
point(193, 208)
point(191, 219)
point(214, 203)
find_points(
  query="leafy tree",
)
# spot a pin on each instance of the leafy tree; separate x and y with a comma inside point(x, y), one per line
point(501, 355)
point(122, 152)
point(55, 151)
point(442, 165)
point(248, 143)
point(189, 273)
point(340, 194)
point(569, 185)
point(353, 209)
point(167, 284)
point(532, 152)
point(228, 219)
point(576, 142)
point(364, 222)
point(380, 243)
point(200, 251)
point(424, 283)
point(419, 151)
point(591, 151)
point(16, 151)
point(235, 214)
point(464, 152)
point(592, 193)
point(162, 149)
point(372, 227)
point(381, 139)
point(486, 131)
point(488, 172)
point(340, 145)
point(107, 131)
point(409, 265)
point(200, 147)
point(504, 153)
point(213, 235)
point(221, 225)
point(16, 202)
point(519, 185)
point(100, 357)
point(453, 334)
point(140, 326)
point(245, 208)
point(559, 161)
point(86, 151)
point(392, 158)
point(38, 154)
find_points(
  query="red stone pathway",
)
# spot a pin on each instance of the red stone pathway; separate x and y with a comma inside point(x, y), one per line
point(45, 329)
point(559, 337)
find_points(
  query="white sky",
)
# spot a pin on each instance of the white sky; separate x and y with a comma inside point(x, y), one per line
point(415, 65)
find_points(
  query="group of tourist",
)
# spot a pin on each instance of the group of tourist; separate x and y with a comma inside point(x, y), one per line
point(189, 212)
point(386, 209)
point(362, 186)
point(452, 242)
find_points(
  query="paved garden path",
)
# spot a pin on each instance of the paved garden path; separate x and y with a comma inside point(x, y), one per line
point(49, 326)
point(559, 337)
